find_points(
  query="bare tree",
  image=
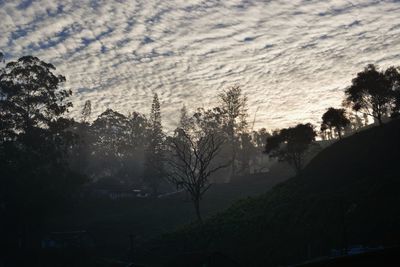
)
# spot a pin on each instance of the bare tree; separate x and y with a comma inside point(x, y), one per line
point(192, 162)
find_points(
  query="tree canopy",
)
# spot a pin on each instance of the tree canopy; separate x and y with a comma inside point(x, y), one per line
point(373, 91)
point(291, 144)
point(193, 152)
point(335, 118)
point(31, 94)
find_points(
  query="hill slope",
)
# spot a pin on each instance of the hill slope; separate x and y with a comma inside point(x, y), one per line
point(348, 194)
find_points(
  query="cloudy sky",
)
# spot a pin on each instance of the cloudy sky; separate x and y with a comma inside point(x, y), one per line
point(293, 58)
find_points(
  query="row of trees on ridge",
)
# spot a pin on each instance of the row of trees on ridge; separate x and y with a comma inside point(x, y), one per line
point(44, 153)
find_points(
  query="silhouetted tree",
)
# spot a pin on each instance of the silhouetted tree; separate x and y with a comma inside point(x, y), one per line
point(365, 119)
point(33, 96)
point(80, 151)
point(393, 75)
point(371, 93)
point(34, 144)
point(335, 118)
point(138, 127)
point(245, 152)
point(135, 150)
point(185, 121)
point(185, 125)
point(260, 138)
point(325, 132)
point(356, 122)
point(234, 107)
point(214, 120)
point(112, 147)
point(210, 119)
point(109, 136)
point(193, 161)
point(291, 144)
point(154, 169)
point(255, 149)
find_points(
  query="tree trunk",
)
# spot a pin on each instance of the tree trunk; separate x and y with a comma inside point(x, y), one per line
point(298, 170)
point(297, 163)
point(233, 169)
point(231, 134)
point(196, 203)
point(340, 134)
point(379, 117)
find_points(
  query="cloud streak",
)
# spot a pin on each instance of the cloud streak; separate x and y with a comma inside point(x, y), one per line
point(292, 58)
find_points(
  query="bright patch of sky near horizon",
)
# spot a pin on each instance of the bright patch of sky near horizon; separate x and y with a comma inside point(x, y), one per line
point(293, 58)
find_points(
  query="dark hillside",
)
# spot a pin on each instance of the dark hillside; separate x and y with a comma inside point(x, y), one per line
point(347, 195)
point(112, 221)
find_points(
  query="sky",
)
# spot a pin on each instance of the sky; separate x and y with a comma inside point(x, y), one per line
point(292, 58)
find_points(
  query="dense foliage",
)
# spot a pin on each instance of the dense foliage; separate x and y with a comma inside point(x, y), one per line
point(291, 144)
point(335, 119)
point(34, 144)
point(374, 92)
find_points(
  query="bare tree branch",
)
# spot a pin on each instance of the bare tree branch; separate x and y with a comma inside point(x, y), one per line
point(190, 164)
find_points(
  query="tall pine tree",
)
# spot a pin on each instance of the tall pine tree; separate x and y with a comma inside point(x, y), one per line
point(234, 106)
point(86, 111)
point(154, 169)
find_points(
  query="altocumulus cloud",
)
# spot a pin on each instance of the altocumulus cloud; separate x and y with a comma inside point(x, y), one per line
point(292, 57)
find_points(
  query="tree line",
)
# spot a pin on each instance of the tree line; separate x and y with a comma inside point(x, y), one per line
point(373, 93)
point(45, 156)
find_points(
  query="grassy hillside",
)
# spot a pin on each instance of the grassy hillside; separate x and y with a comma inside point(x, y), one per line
point(347, 195)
